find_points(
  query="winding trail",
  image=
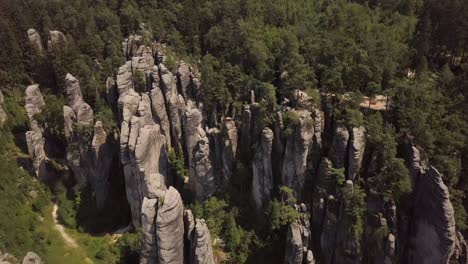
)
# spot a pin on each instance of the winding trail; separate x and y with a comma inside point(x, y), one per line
point(61, 229)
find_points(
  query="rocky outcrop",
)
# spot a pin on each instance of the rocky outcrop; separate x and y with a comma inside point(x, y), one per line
point(3, 114)
point(170, 229)
point(356, 151)
point(78, 122)
point(34, 138)
point(35, 40)
point(188, 81)
point(229, 149)
point(262, 181)
point(154, 190)
point(83, 112)
point(298, 239)
point(175, 104)
point(158, 106)
point(143, 148)
point(296, 154)
point(103, 153)
point(338, 147)
point(56, 38)
point(201, 178)
point(31, 258)
point(433, 236)
point(199, 237)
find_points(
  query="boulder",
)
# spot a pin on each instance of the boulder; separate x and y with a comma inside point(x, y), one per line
point(31, 258)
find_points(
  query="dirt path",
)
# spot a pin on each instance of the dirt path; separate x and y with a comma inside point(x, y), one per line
point(61, 229)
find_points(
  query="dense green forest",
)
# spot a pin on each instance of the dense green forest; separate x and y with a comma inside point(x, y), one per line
point(413, 50)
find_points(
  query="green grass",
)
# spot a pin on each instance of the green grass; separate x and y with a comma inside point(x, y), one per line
point(57, 251)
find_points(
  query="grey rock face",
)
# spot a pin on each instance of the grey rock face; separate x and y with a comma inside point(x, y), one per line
point(83, 112)
point(77, 113)
point(34, 103)
point(201, 179)
point(31, 258)
point(201, 249)
point(35, 40)
point(356, 151)
point(149, 250)
point(170, 229)
point(159, 110)
point(338, 148)
point(189, 224)
point(298, 238)
point(143, 150)
point(3, 114)
point(296, 154)
point(433, 235)
point(229, 149)
point(34, 138)
point(124, 79)
point(102, 155)
point(262, 183)
point(56, 38)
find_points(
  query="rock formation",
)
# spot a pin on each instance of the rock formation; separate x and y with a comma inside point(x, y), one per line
point(34, 104)
point(355, 151)
point(31, 258)
point(55, 38)
point(298, 239)
point(3, 114)
point(338, 147)
point(170, 229)
point(262, 183)
point(198, 234)
point(35, 40)
point(201, 179)
point(296, 154)
point(432, 238)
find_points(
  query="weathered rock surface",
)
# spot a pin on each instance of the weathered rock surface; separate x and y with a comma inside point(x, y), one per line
point(55, 38)
point(296, 154)
point(143, 149)
point(201, 179)
point(432, 238)
point(338, 148)
point(201, 249)
point(34, 138)
point(229, 149)
point(298, 238)
point(103, 153)
point(149, 250)
point(83, 112)
point(31, 258)
point(35, 40)
point(3, 114)
point(124, 79)
point(356, 151)
point(170, 229)
point(158, 107)
point(262, 183)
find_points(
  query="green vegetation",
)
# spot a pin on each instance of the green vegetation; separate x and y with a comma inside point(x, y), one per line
point(177, 164)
